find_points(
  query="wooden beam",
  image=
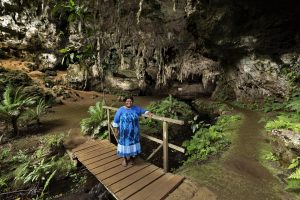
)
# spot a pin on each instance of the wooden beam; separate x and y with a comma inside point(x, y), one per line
point(154, 152)
point(172, 146)
point(108, 122)
point(165, 147)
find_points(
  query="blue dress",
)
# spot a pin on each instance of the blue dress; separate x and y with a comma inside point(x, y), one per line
point(127, 121)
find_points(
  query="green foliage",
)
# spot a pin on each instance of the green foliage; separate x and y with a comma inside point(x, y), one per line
point(270, 156)
point(271, 105)
point(172, 108)
point(212, 107)
point(205, 142)
point(70, 9)
point(285, 121)
point(20, 157)
point(54, 141)
point(294, 178)
point(3, 184)
point(35, 172)
point(294, 104)
point(96, 123)
point(37, 112)
point(5, 152)
point(211, 140)
point(13, 105)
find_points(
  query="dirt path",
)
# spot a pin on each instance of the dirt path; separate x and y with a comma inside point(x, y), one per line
point(238, 174)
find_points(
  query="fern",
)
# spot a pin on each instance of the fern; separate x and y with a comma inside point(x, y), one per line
point(95, 124)
point(294, 104)
point(295, 174)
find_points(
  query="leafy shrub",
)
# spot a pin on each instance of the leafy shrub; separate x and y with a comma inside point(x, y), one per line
point(294, 178)
point(209, 141)
point(270, 156)
point(172, 108)
point(35, 113)
point(34, 172)
point(13, 105)
point(205, 142)
point(3, 184)
point(96, 124)
point(5, 153)
point(53, 144)
point(294, 104)
point(284, 121)
point(20, 157)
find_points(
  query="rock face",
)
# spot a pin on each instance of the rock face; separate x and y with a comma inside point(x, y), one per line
point(186, 48)
point(287, 144)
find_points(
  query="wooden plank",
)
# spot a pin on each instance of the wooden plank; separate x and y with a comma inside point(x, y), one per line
point(172, 146)
point(162, 187)
point(133, 178)
point(84, 146)
point(113, 171)
point(107, 166)
point(94, 148)
point(165, 147)
point(96, 153)
point(99, 157)
point(122, 175)
point(166, 188)
point(108, 122)
point(154, 152)
point(102, 162)
point(138, 185)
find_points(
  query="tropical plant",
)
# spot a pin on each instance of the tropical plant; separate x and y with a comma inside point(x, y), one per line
point(5, 153)
point(71, 11)
point(37, 172)
point(13, 105)
point(284, 121)
point(294, 178)
point(97, 122)
point(20, 157)
point(3, 184)
point(37, 112)
point(171, 107)
point(294, 104)
point(209, 140)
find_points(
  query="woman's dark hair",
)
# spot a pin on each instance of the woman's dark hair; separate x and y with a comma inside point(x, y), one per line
point(127, 97)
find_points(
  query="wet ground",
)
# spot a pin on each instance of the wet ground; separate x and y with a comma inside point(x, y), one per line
point(239, 174)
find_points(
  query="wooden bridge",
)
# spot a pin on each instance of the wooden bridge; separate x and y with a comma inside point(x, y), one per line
point(139, 181)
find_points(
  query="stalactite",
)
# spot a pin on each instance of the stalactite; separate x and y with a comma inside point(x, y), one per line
point(174, 5)
point(139, 12)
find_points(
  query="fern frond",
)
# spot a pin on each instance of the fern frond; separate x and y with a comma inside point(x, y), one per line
point(295, 174)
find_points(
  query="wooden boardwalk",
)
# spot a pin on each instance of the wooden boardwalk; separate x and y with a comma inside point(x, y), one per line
point(134, 182)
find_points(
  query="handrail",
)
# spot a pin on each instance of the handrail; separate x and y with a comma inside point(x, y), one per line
point(165, 119)
point(163, 142)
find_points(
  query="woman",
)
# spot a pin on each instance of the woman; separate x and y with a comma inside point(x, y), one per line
point(126, 129)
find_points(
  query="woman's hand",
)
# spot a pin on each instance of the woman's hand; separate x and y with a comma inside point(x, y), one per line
point(149, 114)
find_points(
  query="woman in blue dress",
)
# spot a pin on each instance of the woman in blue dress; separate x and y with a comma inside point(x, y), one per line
point(126, 129)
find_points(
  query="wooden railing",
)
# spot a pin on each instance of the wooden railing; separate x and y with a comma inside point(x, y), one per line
point(163, 143)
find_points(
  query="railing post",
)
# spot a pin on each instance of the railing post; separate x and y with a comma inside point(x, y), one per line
point(108, 125)
point(165, 146)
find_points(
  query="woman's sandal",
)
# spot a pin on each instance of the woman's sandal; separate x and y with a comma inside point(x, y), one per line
point(124, 163)
point(131, 161)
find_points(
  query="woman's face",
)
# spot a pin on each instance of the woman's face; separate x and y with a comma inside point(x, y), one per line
point(128, 103)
